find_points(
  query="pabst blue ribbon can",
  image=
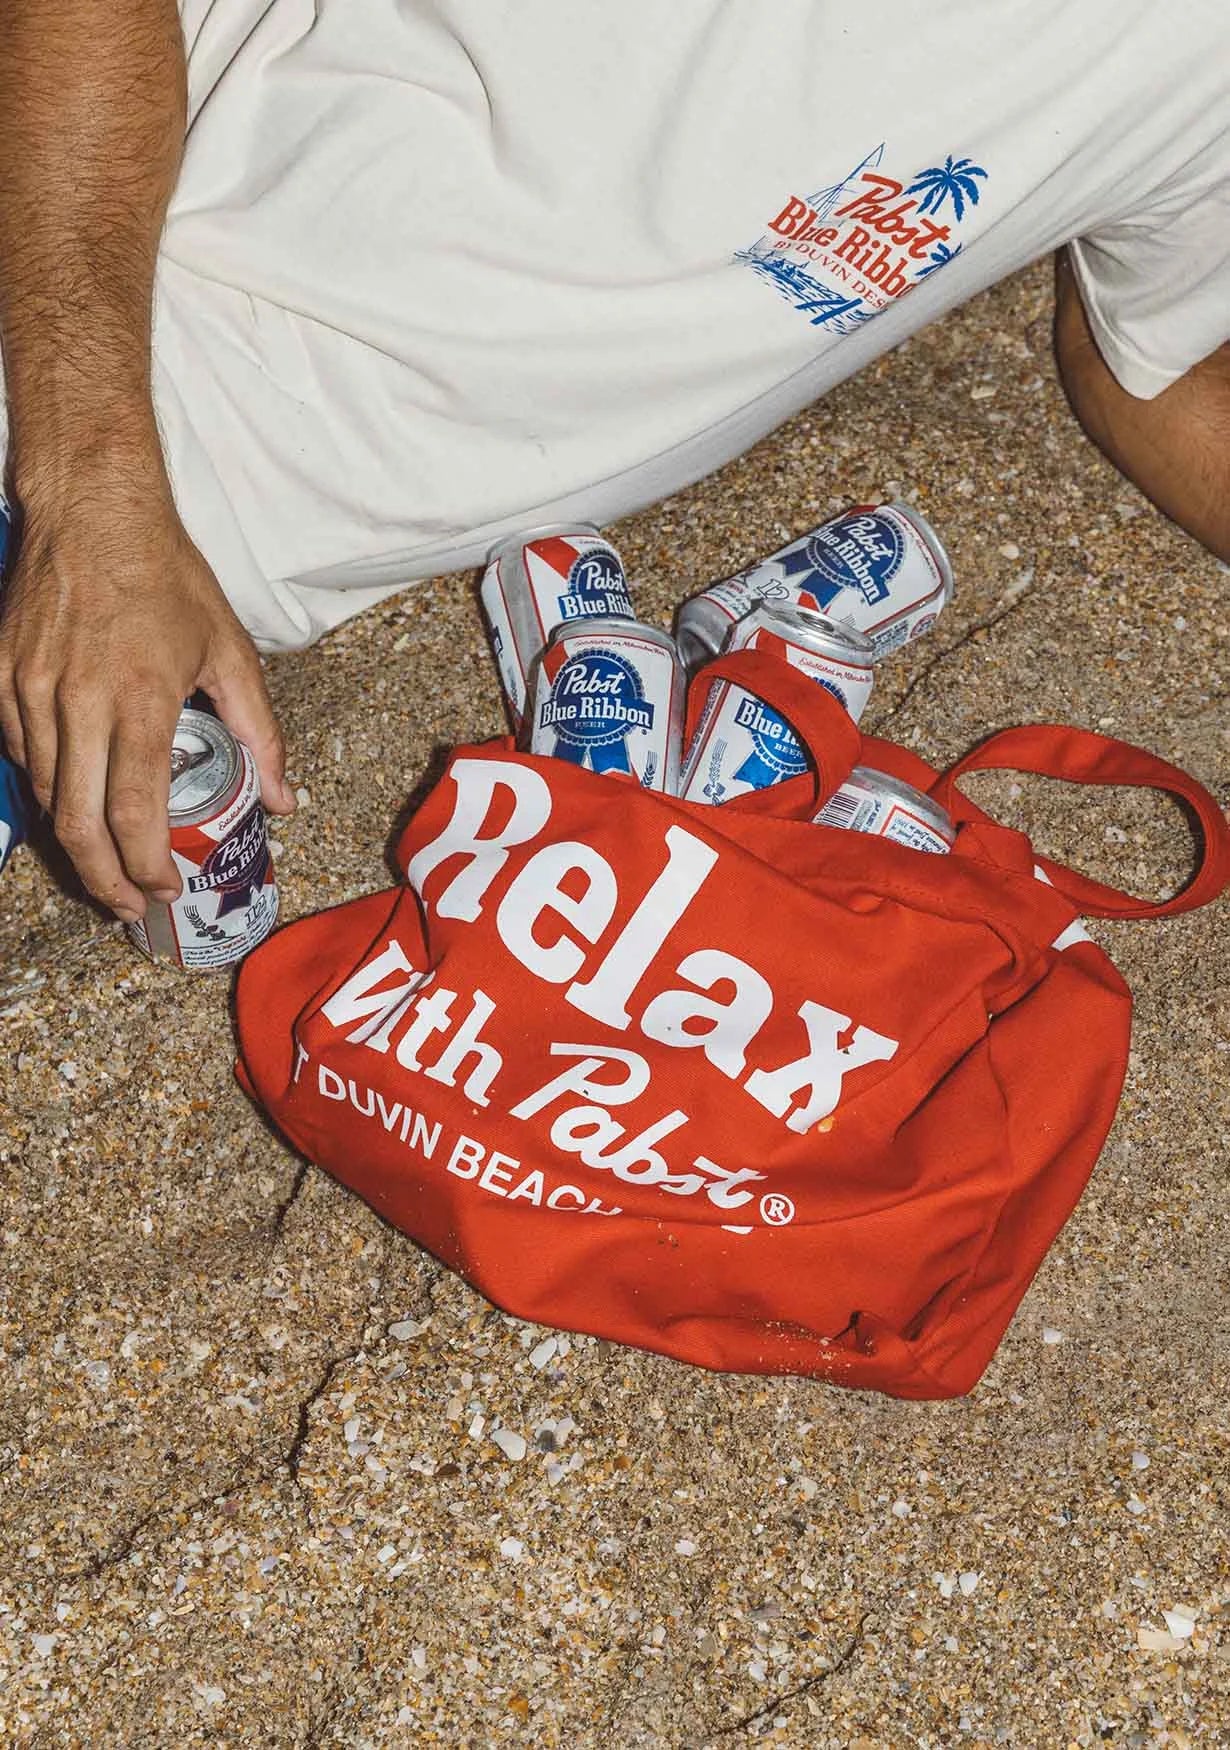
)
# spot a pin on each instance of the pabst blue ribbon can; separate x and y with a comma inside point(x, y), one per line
point(608, 694)
point(880, 568)
point(229, 899)
point(741, 743)
point(537, 581)
point(871, 801)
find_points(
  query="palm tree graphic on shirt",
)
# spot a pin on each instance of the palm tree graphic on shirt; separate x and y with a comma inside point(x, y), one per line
point(940, 256)
point(953, 181)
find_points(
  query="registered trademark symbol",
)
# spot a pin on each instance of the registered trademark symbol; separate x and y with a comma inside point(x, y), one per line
point(778, 1211)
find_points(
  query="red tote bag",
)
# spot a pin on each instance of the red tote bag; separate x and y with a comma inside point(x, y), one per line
point(723, 1083)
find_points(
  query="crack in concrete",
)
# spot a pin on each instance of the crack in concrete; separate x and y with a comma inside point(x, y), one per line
point(942, 656)
point(293, 1458)
point(277, 1220)
point(251, 1474)
point(117, 1552)
point(843, 1659)
point(330, 1715)
point(122, 1548)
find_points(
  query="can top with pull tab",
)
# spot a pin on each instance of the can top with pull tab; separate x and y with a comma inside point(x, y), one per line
point(806, 629)
point(205, 768)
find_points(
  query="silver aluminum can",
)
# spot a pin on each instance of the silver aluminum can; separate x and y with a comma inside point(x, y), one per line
point(538, 580)
point(229, 899)
point(871, 801)
point(741, 743)
point(880, 568)
point(608, 694)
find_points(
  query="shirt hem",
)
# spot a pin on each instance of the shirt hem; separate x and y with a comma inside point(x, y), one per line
point(1141, 379)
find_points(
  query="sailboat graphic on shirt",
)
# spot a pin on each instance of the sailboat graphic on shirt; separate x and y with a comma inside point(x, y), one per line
point(823, 203)
point(846, 251)
point(826, 199)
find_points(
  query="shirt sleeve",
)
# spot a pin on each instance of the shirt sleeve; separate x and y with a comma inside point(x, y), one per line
point(1156, 288)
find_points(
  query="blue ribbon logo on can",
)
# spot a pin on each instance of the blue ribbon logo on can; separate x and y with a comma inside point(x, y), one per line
point(236, 865)
point(861, 550)
point(596, 586)
point(776, 754)
point(596, 701)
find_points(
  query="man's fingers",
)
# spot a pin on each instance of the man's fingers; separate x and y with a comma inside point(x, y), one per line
point(238, 690)
point(40, 737)
point(80, 811)
point(10, 723)
point(138, 786)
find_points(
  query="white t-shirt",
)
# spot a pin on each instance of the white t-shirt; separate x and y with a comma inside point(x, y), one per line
point(436, 269)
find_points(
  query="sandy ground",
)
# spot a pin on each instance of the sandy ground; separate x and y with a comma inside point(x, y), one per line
point(235, 1510)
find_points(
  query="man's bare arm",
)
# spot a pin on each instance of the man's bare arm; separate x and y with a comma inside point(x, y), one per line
point(1176, 448)
point(111, 616)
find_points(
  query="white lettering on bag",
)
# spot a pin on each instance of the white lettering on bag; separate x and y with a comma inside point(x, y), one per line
point(467, 1157)
point(354, 1001)
point(466, 1042)
point(496, 1174)
point(539, 889)
point(638, 1162)
point(579, 1080)
point(628, 958)
point(732, 1026)
point(431, 1013)
point(477, 784)
point(592, 1133)
point(819, 1074)
point(559, 904)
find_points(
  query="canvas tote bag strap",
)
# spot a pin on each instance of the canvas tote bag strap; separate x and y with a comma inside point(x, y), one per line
point(1081, 757)
point(828, 736)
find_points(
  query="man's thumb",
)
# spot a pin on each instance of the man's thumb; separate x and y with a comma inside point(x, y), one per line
point(242, 702)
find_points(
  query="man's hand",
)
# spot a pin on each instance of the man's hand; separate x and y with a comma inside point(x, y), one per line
point(111, 616)
point(111, 619)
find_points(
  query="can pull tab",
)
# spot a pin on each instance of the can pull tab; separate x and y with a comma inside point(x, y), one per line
point(187, 759)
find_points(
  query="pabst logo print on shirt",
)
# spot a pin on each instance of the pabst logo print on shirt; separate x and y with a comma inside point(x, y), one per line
point(849, 250)
point(595, 703)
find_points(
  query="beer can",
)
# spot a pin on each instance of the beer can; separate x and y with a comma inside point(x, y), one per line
point(537, 581)
point(609, 694)
point(741, 743)
point(229, 899)
point(880, 568)
point(871, 801)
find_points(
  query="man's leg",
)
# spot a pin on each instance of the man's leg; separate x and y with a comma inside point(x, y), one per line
point(1176, 448)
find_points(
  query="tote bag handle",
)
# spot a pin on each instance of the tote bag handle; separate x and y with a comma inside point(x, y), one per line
point(828, 735)
point(1082, 757)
